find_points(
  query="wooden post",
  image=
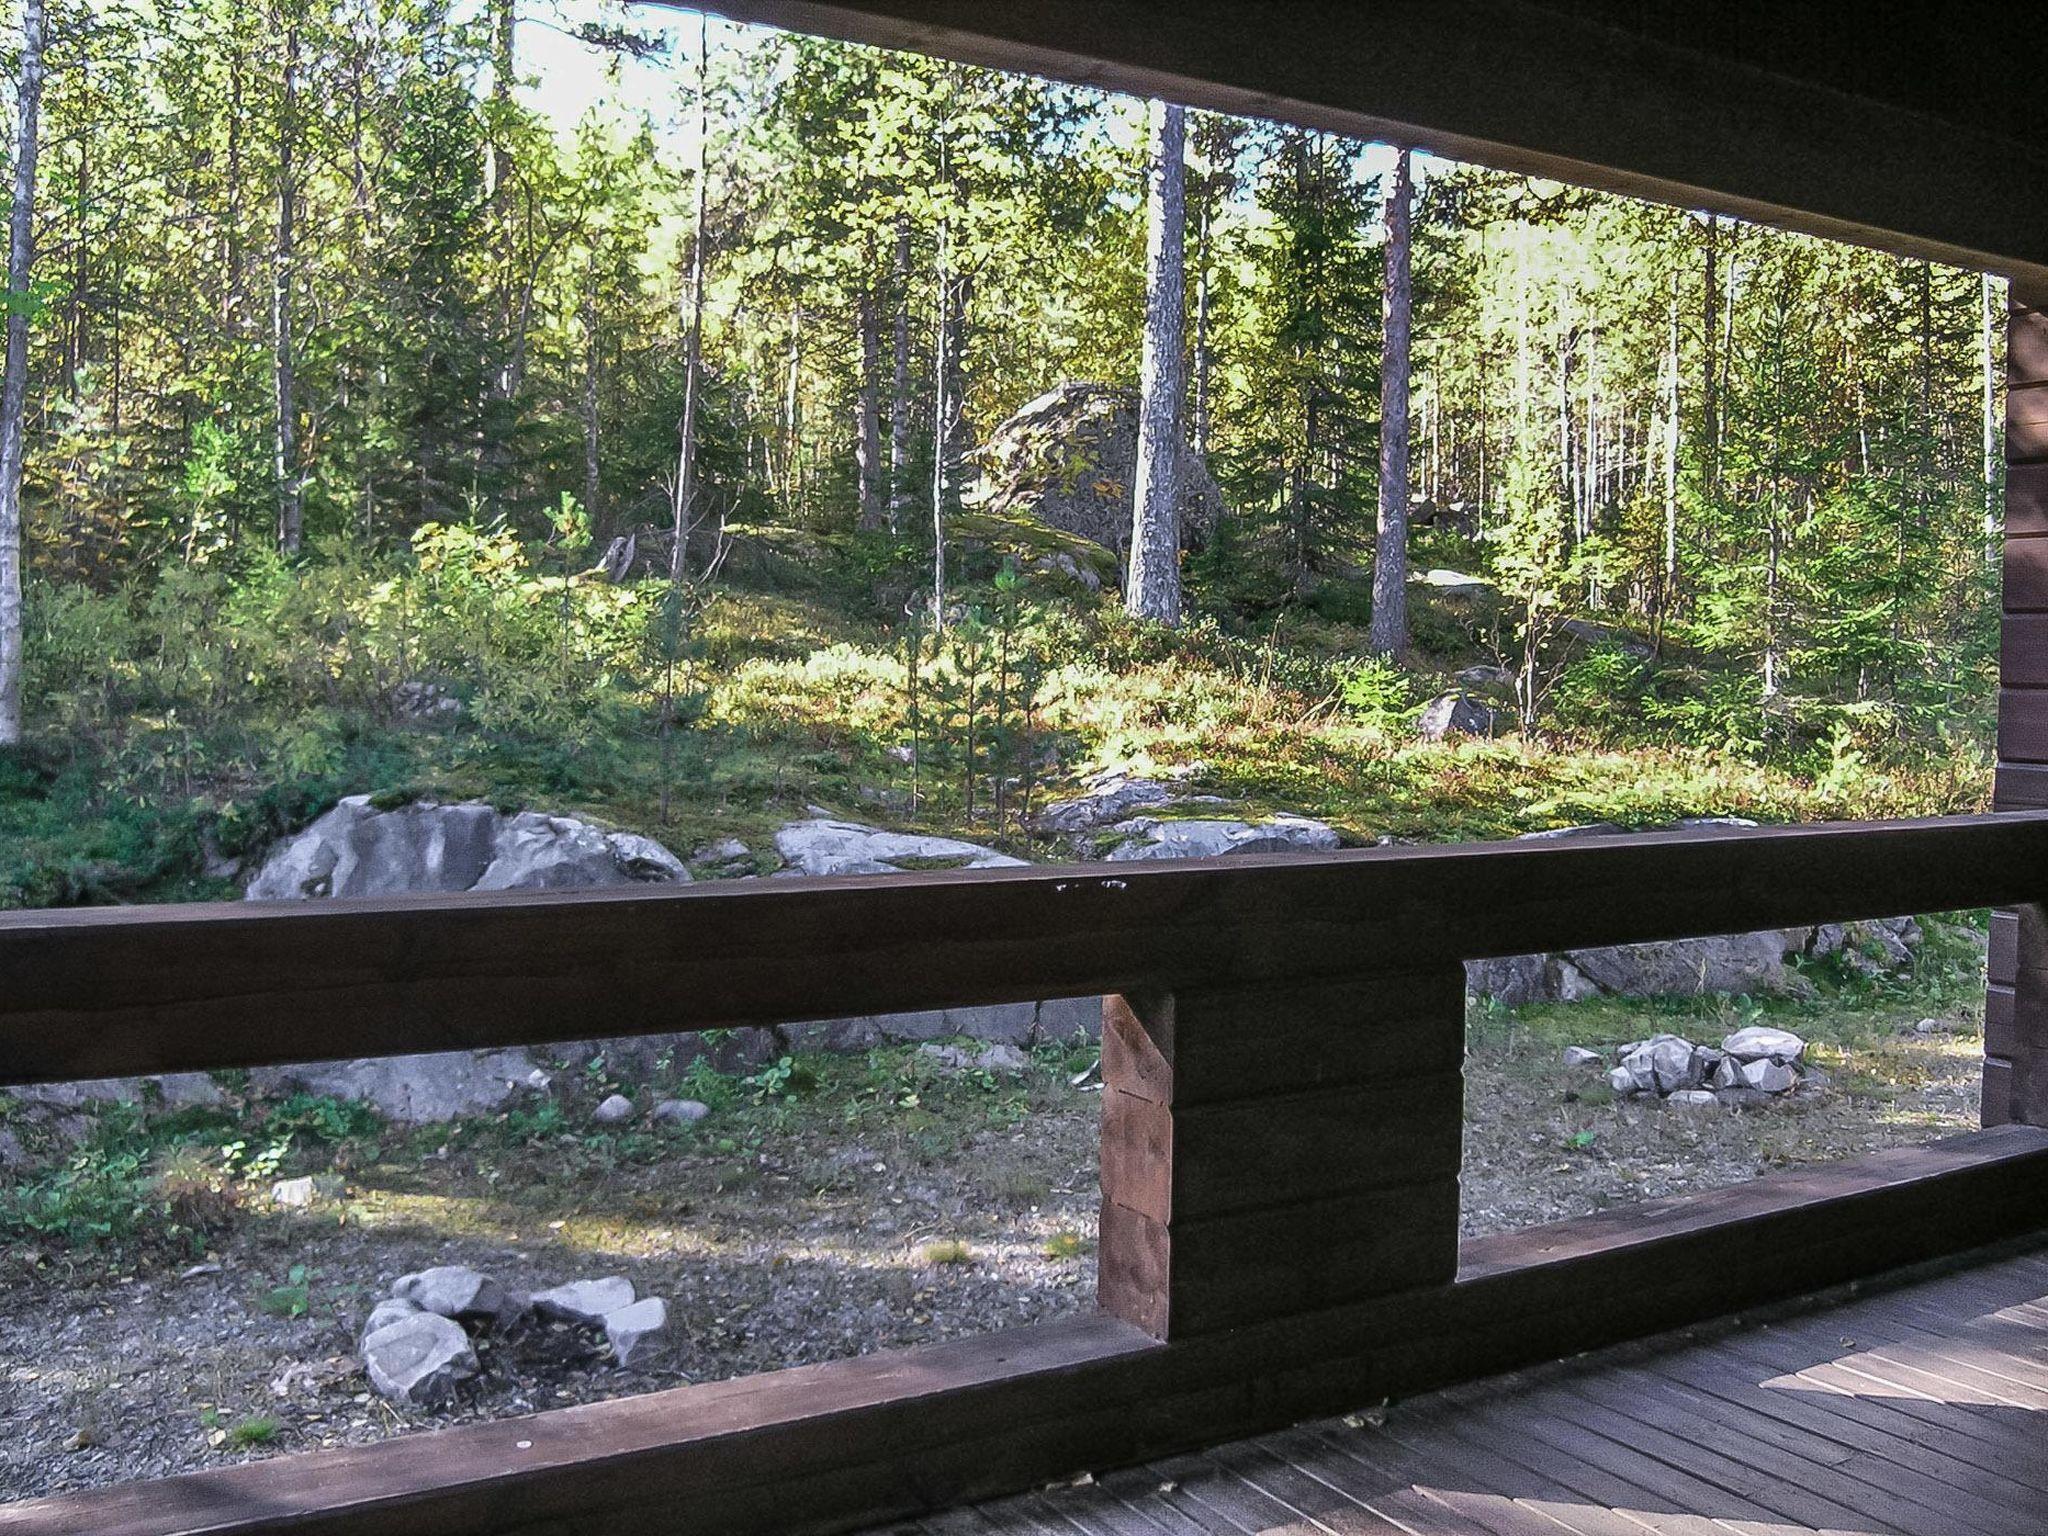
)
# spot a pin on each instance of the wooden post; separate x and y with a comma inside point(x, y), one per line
point(2016, 1007)
point(1276, 1150)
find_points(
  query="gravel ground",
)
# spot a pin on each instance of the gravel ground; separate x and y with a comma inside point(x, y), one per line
point(885, 1209)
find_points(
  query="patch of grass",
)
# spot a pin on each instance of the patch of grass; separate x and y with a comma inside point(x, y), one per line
point(293, 1299)
point(247, 1434)
point(1066, 1245)
point(947, 1252)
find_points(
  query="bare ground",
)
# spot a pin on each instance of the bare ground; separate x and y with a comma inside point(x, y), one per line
point(892, 1205)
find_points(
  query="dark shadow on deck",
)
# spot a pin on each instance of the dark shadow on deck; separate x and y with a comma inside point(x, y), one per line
point(1918, 1412)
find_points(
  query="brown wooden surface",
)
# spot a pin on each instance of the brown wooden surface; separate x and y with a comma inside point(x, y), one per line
point(1273, 1151)
point(2015, 1085)
point(104, 992)
point(816, 1449)
point(1908, 1413)
point(2026, 499)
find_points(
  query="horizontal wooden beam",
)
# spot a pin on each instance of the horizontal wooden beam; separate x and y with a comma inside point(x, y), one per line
point(98, 992)
point(824, 1448)
point(1525, 87)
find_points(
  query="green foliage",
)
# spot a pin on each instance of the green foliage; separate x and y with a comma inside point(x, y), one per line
point(1380, 692)
point(291, 1299)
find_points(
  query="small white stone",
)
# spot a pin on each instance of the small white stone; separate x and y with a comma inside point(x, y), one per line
point(680, 1111)
point(1693, 1098)
point(634, 1330)
point(312, 1188)
point(1760, 1042)
point(1579, 1056)
point(616, 1110)
point(1621, 1080)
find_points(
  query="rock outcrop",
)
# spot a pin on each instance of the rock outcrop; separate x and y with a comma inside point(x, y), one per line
point(824, 846)
point(1069, 460)
point(1146, 838)
point(361, 849)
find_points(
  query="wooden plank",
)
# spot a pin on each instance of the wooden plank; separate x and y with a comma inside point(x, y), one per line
point(2023, 725)
point(1872, 1423)
point(1228, 1270)
point(2026, 422)
point(2001, 956)
point(2023, 651)
point(1868, 1485)
point(2019, 787)
point(1353, 1461)
point(2026, 348)
point(2026, 499)
point(1669, 1500)
point(1876, 1436)
point(1173, 1164)
point(824, 1447)
point(1995, 1093)
point(2026, 573)
point(94, 993)
point(1204, 1045)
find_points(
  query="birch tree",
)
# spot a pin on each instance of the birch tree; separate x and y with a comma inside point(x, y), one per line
point(14, 381)
point(1389, 632)
point(1152, 590)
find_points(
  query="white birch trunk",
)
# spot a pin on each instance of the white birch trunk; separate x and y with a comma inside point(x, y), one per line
point(14, 382)
point(1152, 589)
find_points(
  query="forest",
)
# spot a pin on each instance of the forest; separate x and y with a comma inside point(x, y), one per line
point(592, 406)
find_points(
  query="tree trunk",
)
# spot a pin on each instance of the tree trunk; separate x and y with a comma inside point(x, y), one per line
point(1389, 633)
point(1202, 305)
point(683, 502)
point(591, 483)
point(1152, 590)
point(1710, 382)
point(291, 491)
point(868, 438)
point(14, 381)
point(942, 409)
point(1671, 459)
point(1993, 511)
point(899, 386)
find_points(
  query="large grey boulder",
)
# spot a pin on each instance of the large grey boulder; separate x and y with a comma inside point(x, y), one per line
point(1744, 962)
point(1068, 459)
point(359, 849)
point(533, 852)
point(174, 1090)
point(822, 845)
point(1149, 837)
point(420, 1358)
point(412, 1090)
point(1107, 799)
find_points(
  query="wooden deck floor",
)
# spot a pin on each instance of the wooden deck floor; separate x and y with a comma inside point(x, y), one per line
point(1920, 1411)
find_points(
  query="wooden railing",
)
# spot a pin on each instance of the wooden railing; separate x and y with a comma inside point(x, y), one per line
point(1282, 1118)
